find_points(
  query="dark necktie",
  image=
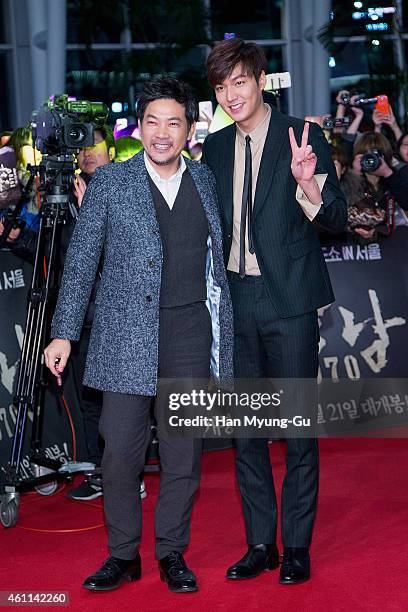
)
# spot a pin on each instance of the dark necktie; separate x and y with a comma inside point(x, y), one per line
point(246, 208)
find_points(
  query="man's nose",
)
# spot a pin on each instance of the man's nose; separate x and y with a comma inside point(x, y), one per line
point(230, 94)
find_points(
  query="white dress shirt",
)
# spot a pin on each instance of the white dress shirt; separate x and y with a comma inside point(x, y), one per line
point(169, 188)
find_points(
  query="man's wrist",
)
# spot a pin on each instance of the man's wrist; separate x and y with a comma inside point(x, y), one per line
point(312, 190)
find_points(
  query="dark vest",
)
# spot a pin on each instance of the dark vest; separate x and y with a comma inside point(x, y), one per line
point(184, 233)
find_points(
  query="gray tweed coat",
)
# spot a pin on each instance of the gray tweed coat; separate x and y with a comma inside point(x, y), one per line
point(117, 217)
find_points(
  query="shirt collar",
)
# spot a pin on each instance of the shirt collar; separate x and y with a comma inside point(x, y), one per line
point(259, 132)
point(156, 176)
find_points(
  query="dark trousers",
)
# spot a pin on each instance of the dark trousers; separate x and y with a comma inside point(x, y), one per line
point(184, 352)
point(269, 346)
point(90, 400)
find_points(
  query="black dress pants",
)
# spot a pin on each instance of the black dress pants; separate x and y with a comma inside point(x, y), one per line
point(184, 352)
point(267, 345)
point(90, 400)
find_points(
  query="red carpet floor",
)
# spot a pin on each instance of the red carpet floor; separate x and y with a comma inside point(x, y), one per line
point(359, 553)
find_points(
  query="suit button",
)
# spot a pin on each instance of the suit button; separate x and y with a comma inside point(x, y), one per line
point(152, 263)
point(148, 298)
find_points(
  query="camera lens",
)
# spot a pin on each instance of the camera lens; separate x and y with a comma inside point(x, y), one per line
point(77, 134)
point(345, 98)
point(370, 162)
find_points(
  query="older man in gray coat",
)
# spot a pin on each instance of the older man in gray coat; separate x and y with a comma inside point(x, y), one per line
point(163, 311)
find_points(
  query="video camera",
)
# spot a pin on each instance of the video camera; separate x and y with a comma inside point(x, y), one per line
point(330, 122)
point(63, 126)
point(60, 128)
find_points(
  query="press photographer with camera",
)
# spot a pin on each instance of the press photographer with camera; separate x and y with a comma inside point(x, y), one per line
point(384, 182)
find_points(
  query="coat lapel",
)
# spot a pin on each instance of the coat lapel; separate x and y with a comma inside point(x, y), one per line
point(204, 193)
point(225, 180)
point(276, 136)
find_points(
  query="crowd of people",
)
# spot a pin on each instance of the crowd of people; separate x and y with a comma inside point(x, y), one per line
point(371, 156)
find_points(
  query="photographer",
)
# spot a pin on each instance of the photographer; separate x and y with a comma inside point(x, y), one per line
point(384, 182)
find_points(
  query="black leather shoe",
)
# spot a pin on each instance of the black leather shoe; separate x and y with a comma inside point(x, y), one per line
point(295, 566)
point(174, 571)
point(257, 559)
point(113, 573)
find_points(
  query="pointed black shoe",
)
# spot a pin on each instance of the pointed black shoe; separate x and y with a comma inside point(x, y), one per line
point(174, 571)
point(257, 559)
point(113, 573)
point(295, 567)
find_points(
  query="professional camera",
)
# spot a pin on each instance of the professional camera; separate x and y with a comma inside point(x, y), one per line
point(371, 160)
point(330, 122)
point(60, 128)
point(64, 126)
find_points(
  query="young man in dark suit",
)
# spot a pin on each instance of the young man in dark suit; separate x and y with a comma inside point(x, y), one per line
point(270, 189)
point(163, 310)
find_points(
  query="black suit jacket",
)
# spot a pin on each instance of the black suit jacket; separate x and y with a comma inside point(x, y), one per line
point(286, 243)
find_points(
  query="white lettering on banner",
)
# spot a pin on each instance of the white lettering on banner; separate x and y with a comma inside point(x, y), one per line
point(8, 178)
point(374, 355)
point(7, 373)
point(14, 279)
point(350, 410)
point(352, 252)
point(379, 346)
point(53, 452)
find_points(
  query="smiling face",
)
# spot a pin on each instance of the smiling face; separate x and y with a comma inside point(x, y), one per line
point(240, 96)
point(164, 132)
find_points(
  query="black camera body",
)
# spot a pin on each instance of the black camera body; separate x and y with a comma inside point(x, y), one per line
point(63, 126)
point(371, 160)
point(335, 122)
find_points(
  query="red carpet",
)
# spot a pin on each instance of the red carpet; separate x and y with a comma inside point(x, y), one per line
point(359, 552)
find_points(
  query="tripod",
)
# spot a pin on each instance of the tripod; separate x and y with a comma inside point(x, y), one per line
point(56, 174)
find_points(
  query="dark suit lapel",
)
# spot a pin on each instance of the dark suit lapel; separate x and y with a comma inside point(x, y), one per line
point(225, 179)
point(276, 136)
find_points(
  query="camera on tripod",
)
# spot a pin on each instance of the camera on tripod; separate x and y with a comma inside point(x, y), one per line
point(60, 128)
point(371, 160)
point(63, 126)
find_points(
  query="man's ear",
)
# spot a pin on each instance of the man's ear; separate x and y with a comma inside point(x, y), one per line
point(191, 131)
point(112, 153)
point(262, 80)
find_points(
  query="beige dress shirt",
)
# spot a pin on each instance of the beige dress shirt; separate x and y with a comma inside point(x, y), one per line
point(258, 137)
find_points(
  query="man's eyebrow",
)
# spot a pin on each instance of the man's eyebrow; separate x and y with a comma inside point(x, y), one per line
point(168, 119)
point(239, 76)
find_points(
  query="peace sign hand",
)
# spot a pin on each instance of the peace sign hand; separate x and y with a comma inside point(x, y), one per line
point(304, 161)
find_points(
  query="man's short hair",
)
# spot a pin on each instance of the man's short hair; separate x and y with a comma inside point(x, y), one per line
point(168, 88)
point(107, 135)
point(228, 53)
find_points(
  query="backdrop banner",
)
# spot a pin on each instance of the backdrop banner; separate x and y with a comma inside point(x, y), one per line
point(15, 281)
point(364, 335)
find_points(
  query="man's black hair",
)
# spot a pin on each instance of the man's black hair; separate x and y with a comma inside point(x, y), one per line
point(168, 88)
